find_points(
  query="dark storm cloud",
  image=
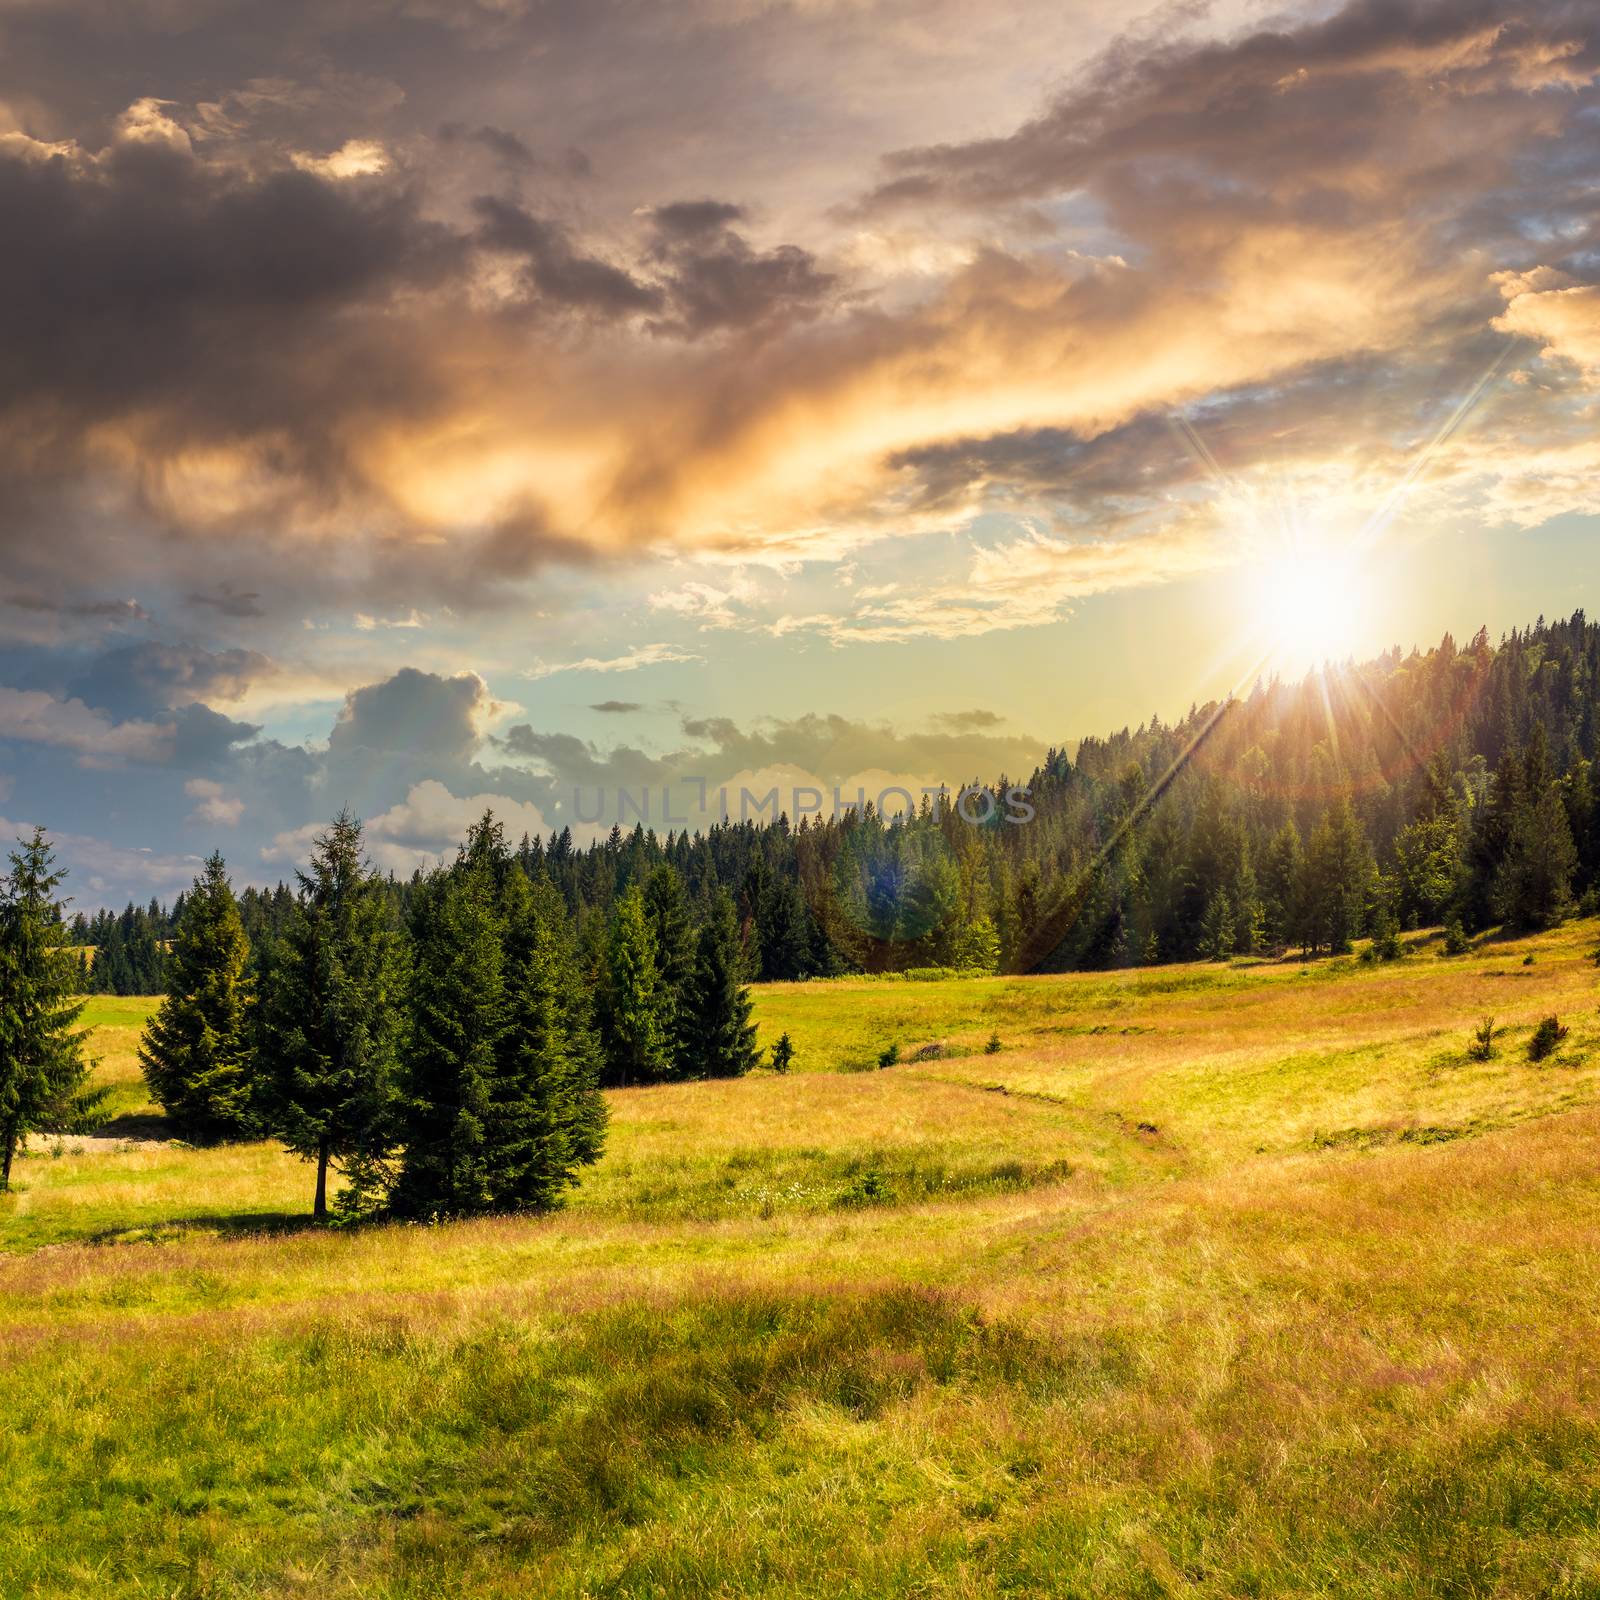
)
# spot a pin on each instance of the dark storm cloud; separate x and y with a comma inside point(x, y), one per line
point(514, 152)
point(418, 713)
point(110, 610)
point(558, 274)
point(617, 708)
point(204, 739)
point(692, 219)
point(143, 680)
point(716, 280)
point(229, 602)
point(151, 280)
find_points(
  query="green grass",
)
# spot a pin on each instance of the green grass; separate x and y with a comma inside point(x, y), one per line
point(1213, 1282)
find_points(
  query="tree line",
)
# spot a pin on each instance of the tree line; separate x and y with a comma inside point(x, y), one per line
point(124, 952)
point(1455, 784)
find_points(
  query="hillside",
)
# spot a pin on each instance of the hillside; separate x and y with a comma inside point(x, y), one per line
point(1213, 1280)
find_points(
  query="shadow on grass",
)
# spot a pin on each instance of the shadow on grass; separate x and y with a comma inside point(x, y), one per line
point(235, 1225)
point(148, 1126)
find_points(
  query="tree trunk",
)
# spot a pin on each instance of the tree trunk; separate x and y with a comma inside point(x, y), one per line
point(5, 1159)
point(319, 1208)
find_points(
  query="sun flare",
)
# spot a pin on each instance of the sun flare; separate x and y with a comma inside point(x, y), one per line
point(1311, 605)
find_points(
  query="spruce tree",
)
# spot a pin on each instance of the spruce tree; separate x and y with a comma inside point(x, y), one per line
point(328, 1021)
point(635, 1019)
point(1533, 881)
point(667, 906)
point(548, 1116)
point(457, 1008)
point(1338, 876)
point(43, 1070)
point(198, 1053)
point(724, 1036)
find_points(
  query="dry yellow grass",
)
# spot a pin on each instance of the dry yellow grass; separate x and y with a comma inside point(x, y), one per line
point(1275, 1293)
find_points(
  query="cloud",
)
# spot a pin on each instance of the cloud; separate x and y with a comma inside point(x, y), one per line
point(968, 721)
point(101, 873)
point(613, 708)
point(717, 281)
point(230, 602)
point(1566, 320)
point(417, 713)
point(555, 273)
point(34, 717)
point(644, 655)
point(355, 158)
point(421, 831)
point(139, 679)
point(215, 807)
point(443, 391)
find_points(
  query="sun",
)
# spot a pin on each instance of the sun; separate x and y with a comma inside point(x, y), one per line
point(1312, 603)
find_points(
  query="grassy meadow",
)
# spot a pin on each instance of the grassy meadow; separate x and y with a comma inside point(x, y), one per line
point(1212, 1281)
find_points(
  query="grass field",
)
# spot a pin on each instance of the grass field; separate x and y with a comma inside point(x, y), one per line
point(1211, 1282)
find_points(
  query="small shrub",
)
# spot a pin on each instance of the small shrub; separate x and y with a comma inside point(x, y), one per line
point(1456, 942)
point(782, 1053)
point(869, 1189)
point(1385, 944)
point(890, 1057)
point(929, 1052)
point(1545, 1038)
point(1527, 961)
point(1482, 1046)
point(994, 1046)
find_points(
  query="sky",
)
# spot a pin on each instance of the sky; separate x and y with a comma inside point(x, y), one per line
point(415, 407)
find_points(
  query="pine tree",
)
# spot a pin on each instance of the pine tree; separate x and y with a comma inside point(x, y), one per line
point(457, 1006)
point(724, 1036)
point(635, 1020)
point(328, 1021)
point(43, 1070)
point(197, 1053)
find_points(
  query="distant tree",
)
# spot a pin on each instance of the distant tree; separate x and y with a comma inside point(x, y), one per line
point(1217, 935)
point(723, 1035)
point(43, 1069)
point(783, 930)
point(977, 946)
point(328, 1021)
point(198, 1053)
point(1533, 880)
point(1427, 869)
point(667, 907)
point(1338, 876)
point(635, 1013)
point(782, 1053)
